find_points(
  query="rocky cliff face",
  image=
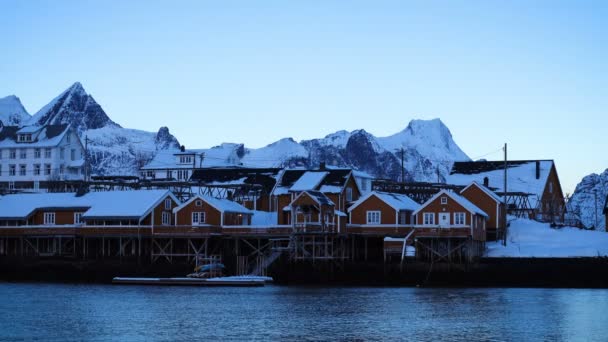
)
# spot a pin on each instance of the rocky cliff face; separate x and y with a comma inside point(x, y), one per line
point(582, 203)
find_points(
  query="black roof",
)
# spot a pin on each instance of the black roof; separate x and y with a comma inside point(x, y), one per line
point(9, 132)
point(55, 130)
point(475, 167)
point(265, 177)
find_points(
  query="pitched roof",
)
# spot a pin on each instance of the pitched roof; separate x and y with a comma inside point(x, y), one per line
point(49, 136)
point(521, 175)
point(317, 196)
point(395, 201)
point(487, 191)
point(221, 204)
point(465, 203)
point(264, 177)
point(333, 181)
point(310, 180)
point(106, 204)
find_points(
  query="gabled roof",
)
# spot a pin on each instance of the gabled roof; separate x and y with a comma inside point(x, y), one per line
point(134, 204)
point(396, 201)
point(317, 196)
point(310, 180)
point(49, 136)
point(465, 203)
point(334, 180)
point(221, 204)
point(521, 175)
point(487, 191)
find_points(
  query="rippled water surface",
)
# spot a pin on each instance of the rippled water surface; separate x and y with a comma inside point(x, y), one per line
point(110, 312)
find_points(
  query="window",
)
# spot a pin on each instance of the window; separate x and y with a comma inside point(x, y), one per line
point(550, 188)
point(167, 203)
point(349, 194)
point(459, 219)
point(169, 174)
point(36, 185)
point(23, 153)
point(373, 217)
point(49, 218)
point(72, 154)
point(24, 138)
point(36, 169)
point(22, 169)
point(403, 217)
point(198, 218)
point(185, 159)
point(444, 200)
point(11, 185)
point(78, 218)
point(429, 219)
point(364, 184)
point(182, 174)
point(47, 153)
point(61, 169)
point(36, 153)
point(12, 154)
point(166, 218)
point(47, 169)
point(62, 153)
point(12, 170)
point(198, 203)
point(68, 138)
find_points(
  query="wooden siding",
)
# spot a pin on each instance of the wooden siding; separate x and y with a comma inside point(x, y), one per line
point(373, 203)
point(486, 203)
point(552, 203)
point(212, 215)
point(474, 221)
point(158, 212)
point(61, 216)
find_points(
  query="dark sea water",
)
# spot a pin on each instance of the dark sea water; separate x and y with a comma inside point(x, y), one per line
point(65, 312)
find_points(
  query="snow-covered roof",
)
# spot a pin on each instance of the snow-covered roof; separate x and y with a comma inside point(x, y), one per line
point(29, 129)
point(317, 196)
point(221, 204)
point(167, 159)
point(49, 136)
point(465, 203)
point(124, 204)
point(521, 175)
point(106, 204)
point(310, 180)
point(264, 218)
point(489, 192)
point(396, 201)
point(20, 206)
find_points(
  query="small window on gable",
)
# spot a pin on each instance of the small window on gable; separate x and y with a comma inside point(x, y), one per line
point(198, 203)
point(550, 188)
point(444, 200)
point(168, 203)
point(349, 194)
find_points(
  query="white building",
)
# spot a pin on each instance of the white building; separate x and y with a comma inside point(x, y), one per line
point(173, 165)
point(31, 156)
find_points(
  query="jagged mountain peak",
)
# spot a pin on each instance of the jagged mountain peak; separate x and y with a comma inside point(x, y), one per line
point(582, 203)
point(165, 140)
point(73, 106)
point(12, 112)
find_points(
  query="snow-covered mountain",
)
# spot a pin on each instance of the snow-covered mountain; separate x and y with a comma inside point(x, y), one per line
point(582, 202)
point(113, 149)
point(12, 112)
point(428, 148)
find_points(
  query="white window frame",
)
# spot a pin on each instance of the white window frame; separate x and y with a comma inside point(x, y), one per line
point(37, 153)
point(23, 154)
point(12, 153)
point(22, 169)
point(168, 203)
point(460, 219)
point(349, 194)
point(12, 170)
point(78, 218)
point(47, 153)
point(166, 218)
point(444, 199)
point(373, 217)
point(49, 218)
point(47, 169)
point(200, 218)
point(428, 219)
point(62, 153)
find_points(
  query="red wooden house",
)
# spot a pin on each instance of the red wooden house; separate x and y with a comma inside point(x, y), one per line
point(490, 203)
point(381, 213)
point(210, 211)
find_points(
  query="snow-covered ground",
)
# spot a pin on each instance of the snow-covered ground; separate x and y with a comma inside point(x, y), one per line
point(527, 238)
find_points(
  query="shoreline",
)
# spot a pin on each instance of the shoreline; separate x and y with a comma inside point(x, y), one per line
point(488, 272)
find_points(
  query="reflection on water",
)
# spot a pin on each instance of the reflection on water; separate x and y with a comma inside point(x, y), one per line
point(105, 312)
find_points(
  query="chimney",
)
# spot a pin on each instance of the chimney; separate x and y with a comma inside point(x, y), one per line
point(537, 169)
point(183, 148)
point(486, 182)
point(322, 166)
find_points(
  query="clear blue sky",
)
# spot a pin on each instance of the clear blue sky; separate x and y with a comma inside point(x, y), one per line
point(533, 74)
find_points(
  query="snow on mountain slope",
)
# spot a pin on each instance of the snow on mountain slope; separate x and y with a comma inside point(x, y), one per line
point(275, 154)
point(532, 239)
point(114, 150)
point(12, 112)
point(582, 203)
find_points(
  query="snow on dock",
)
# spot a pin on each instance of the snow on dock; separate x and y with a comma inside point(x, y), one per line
point(532, 239)
point(220, 281)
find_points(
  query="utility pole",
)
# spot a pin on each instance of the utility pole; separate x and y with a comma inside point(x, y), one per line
point(86, 158)
point(504, 201)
